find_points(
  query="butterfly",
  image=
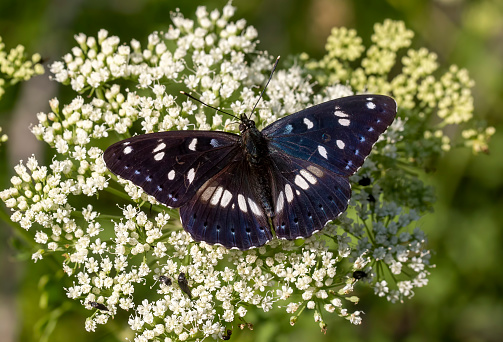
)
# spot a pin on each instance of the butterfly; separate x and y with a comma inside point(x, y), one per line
point(235, 190)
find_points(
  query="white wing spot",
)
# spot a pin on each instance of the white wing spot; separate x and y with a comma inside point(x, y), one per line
point(242, 203)
point(340, 144)
point(307, 175)
point(216, 196)
point(128, 150)
point(206, 195)
point(344, 122)
point(300, 181)
point(297, 192)
point(159, 156)
point(340, 114)
point(317, 172)
point(192, 145)
point(226, 198)
point(308, 123)
point(369, 98)
point(280, 202)
point(159, 147)
point(214, 142)
point(323, 151)
point(288, 193)
point(190, 175)
point(371, 105)
point(126, 143)
point(171, 175)
point(254, 207)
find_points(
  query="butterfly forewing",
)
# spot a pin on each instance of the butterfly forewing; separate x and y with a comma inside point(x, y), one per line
point(337, 135)
point(226, 211)
point(306, 196)
point(172, 166)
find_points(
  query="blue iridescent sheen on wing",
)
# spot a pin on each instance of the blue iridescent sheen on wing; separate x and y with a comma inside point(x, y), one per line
point(307, 196)
point(337, 135)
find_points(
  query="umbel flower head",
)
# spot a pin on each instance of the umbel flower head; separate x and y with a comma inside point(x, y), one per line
point(195, 290)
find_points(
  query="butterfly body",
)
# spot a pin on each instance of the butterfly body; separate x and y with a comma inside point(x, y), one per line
point(256, 152)
point(233, 190)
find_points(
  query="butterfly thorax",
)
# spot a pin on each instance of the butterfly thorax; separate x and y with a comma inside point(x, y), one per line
point(253, 142)
point(255, 148)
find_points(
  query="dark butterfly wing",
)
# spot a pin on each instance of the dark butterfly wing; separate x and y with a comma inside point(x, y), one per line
point(226, 211)
point(306, 196)
point(172, 166)
point(337, 135)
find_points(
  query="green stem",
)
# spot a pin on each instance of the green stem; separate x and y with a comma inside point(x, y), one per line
point(118, 193)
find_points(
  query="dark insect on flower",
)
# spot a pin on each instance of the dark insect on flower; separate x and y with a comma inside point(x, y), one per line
point(165, 280)
point(98, 306)
point(184, 285)
point(233, 190)
point(228, 336)
point(364, 181)
point(359, 274)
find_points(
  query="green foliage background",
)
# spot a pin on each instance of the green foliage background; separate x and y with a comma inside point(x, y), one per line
point(464, 300)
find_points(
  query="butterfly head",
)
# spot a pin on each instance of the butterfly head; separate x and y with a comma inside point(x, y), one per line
point(245, 124)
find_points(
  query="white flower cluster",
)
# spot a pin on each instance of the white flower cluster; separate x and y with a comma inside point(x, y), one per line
point(201, 290)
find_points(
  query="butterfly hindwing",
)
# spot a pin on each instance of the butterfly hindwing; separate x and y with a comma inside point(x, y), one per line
point(172, 166)
point(306, 197)
point(337, 135)
point(226, 210)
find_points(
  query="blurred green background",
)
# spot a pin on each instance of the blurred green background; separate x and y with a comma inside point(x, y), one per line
point(464, 300)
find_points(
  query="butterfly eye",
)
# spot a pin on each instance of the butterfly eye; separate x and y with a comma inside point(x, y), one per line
point(326, 137)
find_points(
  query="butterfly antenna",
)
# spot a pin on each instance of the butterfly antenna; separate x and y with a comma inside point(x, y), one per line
point(270, 77)
point(207, 105)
